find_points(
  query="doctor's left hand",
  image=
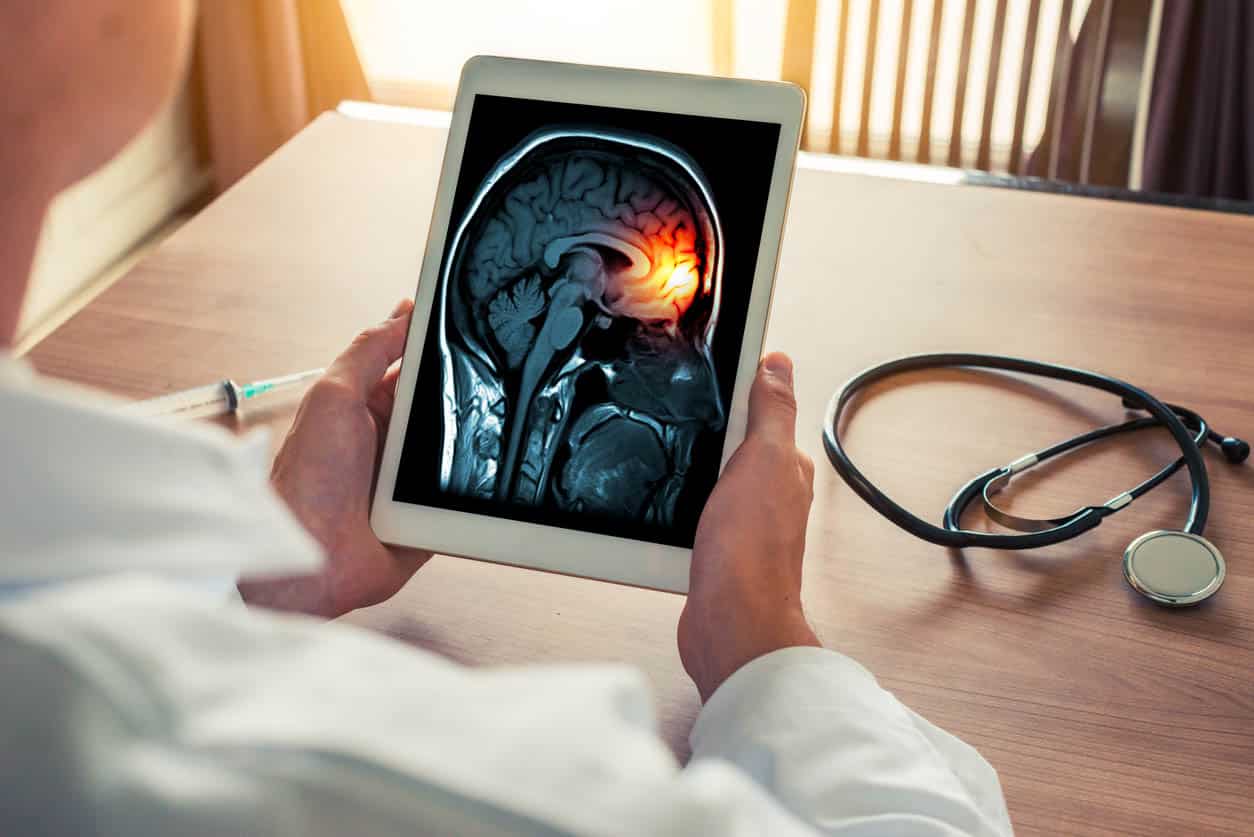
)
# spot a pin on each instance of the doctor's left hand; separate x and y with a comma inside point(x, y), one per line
point(325, 471)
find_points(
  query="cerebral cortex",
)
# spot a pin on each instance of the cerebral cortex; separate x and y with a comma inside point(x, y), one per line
point(586, 199)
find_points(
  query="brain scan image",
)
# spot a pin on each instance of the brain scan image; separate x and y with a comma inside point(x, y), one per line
point(573, 351)
point(588, 257)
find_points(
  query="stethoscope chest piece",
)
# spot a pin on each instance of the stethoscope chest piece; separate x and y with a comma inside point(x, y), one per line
point(1173, 568)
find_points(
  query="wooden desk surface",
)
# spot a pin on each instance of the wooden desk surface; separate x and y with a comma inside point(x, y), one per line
point(1102, 712)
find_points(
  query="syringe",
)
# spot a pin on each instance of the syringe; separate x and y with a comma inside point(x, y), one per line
point(215, 399)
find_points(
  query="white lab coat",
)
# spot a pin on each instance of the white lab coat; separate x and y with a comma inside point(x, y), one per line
point(136, 699)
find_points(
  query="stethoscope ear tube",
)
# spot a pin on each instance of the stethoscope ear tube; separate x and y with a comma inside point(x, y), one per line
point(951, 534)
point(990, 483)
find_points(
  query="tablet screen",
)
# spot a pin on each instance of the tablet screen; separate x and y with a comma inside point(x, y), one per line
point(587, 328)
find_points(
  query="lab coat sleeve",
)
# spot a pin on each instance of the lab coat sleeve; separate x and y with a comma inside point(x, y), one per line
point(816, 730)
point(136, 706)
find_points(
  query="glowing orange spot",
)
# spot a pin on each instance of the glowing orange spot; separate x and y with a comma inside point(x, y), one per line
point(670, 285)
point(680, 277)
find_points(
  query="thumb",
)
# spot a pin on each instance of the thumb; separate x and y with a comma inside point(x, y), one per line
point(772, 405)
point(363, 364)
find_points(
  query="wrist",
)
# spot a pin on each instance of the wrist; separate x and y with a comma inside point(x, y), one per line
point(297, 594)
point(712, 650)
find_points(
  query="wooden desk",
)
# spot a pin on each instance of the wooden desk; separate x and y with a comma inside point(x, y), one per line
point(1101, 712)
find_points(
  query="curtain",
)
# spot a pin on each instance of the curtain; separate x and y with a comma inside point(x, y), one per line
point(1200, 134)
point(266, 68)
point(1057, 155)
point(1091, 123)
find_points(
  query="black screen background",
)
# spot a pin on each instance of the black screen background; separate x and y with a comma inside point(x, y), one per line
point(737, 157)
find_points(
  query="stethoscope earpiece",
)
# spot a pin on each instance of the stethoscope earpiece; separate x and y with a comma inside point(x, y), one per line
point(1234, 450)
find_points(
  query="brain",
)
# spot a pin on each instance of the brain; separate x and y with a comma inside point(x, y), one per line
point(580, 202)
point(578, 306)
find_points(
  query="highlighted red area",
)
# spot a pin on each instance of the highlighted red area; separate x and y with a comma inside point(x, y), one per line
point(667, 290)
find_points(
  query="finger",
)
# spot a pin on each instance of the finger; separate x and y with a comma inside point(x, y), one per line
point(384, 395)
point(401, 308)
point(362, 365)
point(807, 467)
point(772, 405)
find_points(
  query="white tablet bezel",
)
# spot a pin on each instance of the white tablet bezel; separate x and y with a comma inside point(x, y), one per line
point(551, 548)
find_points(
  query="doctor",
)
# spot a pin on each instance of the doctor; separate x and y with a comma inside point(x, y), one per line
point(136, 699)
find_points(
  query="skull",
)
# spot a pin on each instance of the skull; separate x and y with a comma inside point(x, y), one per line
point(577, 308)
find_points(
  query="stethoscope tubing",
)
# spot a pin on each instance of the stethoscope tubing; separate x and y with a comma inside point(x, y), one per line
point(981, 485)
point(951, 535)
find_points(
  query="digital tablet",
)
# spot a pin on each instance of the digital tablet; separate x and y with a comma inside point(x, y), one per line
point(588, 318)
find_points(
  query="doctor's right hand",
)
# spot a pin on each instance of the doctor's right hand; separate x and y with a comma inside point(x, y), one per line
point(744, 594)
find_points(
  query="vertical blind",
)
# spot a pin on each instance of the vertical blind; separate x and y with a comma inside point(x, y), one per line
point(956, 82)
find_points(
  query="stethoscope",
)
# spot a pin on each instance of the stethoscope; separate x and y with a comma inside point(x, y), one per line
point(1167, 566)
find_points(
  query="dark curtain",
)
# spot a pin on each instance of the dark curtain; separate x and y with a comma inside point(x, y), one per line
point(1200, 138)
point(1068, 107)
point(1115, 113)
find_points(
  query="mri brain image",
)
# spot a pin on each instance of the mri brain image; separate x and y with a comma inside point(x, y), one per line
point(577, 308)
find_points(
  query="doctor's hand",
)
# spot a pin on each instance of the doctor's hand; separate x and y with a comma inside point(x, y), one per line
point(325, 471)
point(744, 595)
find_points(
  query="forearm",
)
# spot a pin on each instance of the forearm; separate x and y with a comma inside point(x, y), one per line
point(816, 730)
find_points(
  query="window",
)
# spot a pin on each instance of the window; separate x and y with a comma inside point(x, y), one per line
point(412, 52)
